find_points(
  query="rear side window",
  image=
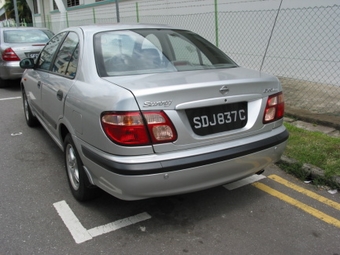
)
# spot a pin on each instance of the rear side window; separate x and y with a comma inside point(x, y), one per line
point(66, 61)
point(47, 54)
point(27, 36)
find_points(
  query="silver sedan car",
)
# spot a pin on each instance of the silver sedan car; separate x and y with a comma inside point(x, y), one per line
point(144, 111)
point(17, 43)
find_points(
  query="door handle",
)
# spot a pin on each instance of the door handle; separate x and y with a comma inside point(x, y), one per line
point(60, 95)
point(39, 84)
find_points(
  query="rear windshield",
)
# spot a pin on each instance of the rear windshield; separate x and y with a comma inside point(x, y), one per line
point(27, 36)
point(144, 51)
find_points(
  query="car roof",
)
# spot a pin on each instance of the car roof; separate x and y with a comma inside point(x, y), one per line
point(120, 26)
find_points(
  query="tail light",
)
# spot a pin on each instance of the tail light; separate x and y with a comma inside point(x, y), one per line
point(134, 128)
point(9, 55)
point(275, 108)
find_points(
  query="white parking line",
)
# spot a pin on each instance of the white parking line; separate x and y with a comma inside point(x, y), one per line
point(71, 221)
point(118, 224)
point(9, 98)
point(245, 181)
point(81, 234)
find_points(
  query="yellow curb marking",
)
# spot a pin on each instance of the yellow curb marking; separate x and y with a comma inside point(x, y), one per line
point(305, 191)
point(316, 213)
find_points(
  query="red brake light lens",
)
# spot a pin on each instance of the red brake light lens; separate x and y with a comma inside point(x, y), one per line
point(9, 55)
point(129, 128)
point(274, 108)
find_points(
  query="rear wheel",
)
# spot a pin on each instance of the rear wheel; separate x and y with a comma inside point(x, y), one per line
point(31, 120)
point(80, 186)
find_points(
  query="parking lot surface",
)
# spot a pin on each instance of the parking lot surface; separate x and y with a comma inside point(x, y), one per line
point(268, 214)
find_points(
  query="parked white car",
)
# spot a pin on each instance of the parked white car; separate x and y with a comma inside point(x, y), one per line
point(144, 111)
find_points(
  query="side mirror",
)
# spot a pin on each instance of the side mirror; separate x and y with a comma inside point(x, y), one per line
point(27, 63)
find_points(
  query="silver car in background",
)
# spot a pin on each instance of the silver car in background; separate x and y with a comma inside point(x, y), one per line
point(147, 110)
point(17, 43)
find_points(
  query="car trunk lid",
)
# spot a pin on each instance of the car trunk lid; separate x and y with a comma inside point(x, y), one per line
point(26, 51)
point(206, 107)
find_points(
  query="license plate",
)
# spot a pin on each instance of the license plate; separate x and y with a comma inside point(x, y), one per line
point(216, 119)
point(32, 55)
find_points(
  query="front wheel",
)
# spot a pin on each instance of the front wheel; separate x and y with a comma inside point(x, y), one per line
point(80, 186)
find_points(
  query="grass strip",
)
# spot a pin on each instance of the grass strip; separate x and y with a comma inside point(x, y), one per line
point(315, 148)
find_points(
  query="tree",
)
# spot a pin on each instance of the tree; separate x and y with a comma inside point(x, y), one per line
point(24, 11)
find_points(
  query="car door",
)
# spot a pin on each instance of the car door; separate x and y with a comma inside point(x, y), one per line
point(36, 76)
point(59, 80)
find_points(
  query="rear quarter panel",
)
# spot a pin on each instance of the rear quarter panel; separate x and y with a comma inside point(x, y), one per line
point(83, 108)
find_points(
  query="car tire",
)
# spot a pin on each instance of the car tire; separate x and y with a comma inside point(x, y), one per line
point(78, 181)
point(31, 120)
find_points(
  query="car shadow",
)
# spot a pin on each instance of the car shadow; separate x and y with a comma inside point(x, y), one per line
point(13, 85)
point(180, 212)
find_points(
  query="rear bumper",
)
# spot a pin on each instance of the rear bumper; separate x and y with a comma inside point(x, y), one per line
point(138, 180)
point(168, 165)
point(11, 70)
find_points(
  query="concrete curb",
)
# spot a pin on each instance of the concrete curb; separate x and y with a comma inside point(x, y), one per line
point(314, 173)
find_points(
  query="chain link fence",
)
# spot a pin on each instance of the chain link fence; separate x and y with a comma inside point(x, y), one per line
point(298, 45)
point(303, 52)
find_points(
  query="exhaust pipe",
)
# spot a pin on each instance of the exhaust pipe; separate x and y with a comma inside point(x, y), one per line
point(260, 172)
